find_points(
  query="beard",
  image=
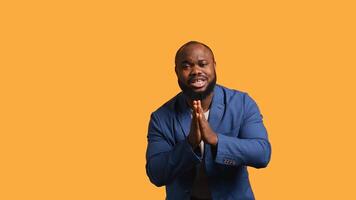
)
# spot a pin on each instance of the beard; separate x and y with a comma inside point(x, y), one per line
point(189, 92)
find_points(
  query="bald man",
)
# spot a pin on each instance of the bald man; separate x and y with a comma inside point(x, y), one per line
point(202, 140)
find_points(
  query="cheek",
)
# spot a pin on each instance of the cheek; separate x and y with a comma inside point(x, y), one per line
point(210, 72)
point(181, 78)
point(184, 75)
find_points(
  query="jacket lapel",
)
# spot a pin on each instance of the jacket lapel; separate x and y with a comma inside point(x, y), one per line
point(217, 108)
point(183, 112)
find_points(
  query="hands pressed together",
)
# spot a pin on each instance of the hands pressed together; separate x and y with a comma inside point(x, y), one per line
point(200, 128)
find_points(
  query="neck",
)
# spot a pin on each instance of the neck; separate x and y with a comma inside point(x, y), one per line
point(205, 103)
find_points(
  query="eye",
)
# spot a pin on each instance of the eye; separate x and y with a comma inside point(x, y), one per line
point(203, 64)
point(185, 66)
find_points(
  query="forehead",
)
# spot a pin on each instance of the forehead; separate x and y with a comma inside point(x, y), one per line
point(194, 52)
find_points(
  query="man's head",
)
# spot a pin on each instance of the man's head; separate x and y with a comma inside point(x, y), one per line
point(195, 69)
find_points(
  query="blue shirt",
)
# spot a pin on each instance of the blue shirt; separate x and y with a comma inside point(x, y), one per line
point(242, 141)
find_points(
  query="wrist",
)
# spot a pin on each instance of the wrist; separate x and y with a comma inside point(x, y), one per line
point(192, 143)
point(213, 140)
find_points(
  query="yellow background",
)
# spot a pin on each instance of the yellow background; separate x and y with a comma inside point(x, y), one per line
point(79, 80)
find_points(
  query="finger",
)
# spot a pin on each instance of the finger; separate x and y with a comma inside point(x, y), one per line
point(196, 126)
point(195, 112)
point(201, 126)
point(200, 109)
point(201, 121)
point(197, 121)
point(195, 106)
point(196, 116)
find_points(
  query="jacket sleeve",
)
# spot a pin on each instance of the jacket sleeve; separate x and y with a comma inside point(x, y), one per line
point(251, 147)
point(165, 161)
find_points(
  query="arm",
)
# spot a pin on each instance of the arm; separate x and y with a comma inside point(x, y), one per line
point(252, 147)
point(165, 161)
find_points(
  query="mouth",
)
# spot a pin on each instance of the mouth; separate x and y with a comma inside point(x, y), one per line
point(197, 83)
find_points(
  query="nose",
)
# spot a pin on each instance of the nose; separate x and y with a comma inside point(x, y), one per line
point(195, 70)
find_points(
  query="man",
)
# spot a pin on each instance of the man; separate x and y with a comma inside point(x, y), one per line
point(202, 140)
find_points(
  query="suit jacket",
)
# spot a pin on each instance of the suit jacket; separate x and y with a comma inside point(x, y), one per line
point(242, 142)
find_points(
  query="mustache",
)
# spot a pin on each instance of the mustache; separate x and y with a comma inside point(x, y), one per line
point(188, 92)
point(195, 77)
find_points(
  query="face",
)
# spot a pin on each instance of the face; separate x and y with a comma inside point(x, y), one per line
point(195, 69)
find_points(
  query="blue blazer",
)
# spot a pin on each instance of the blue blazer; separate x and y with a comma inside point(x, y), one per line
point(242, 142)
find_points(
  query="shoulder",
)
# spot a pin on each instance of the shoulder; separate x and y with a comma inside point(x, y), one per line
point(235, 99)
point(231, 95)
point(239, 102)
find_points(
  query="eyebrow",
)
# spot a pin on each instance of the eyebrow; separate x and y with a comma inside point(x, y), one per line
point(202, 60)
point(186, 61)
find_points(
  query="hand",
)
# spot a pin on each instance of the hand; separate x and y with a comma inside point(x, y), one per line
point(194, 137)
point(207, 134)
